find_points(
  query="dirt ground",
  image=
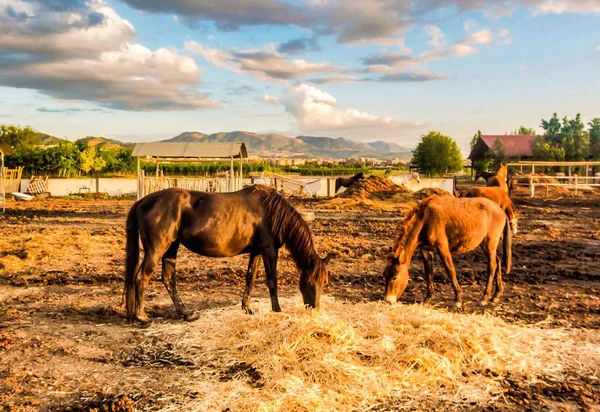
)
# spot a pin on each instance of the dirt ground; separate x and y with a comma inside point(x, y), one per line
point(64, 344)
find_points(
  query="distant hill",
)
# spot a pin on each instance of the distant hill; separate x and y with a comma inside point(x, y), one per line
point(300, 146)
point(267, 145)
point(103, 142)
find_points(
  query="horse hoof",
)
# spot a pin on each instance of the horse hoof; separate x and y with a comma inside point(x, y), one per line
point(483, 302)
point(249, 311)
point(190, 317)
point(458, 305)
point(144, 322)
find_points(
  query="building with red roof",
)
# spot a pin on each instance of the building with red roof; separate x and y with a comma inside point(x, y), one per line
point(518, 147)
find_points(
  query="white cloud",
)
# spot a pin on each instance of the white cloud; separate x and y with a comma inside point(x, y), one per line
point(85, 51)
point(598, 48)
point(264, 64)
point(316, 110)
point(469, 25)
point(563, 6)
point(479, 37)
point(456, 50)
point(504, 37)
point(272, 100)
point(437, 37)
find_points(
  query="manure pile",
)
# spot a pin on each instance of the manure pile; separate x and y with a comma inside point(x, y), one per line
point(366, 356)
point(429, 191)
point(373, 187)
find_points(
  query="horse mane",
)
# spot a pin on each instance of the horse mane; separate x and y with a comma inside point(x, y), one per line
point(290, 229)
point(405, 223)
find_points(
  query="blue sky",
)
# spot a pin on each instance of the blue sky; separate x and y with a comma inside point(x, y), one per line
point(141, 70)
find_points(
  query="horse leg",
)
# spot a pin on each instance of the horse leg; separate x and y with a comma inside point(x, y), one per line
point(269, 256)
point(451, 271)
point(428, 264)
point(141, 281)
point(250, 278)
point(490, 253)
point(499, 283)
point(169, 278)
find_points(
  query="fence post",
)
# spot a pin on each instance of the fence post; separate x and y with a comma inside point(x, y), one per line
point(531, 187)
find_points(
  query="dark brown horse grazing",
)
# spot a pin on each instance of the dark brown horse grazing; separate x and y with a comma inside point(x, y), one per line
point(446, 225)
point(255, 220)
point(347, 181)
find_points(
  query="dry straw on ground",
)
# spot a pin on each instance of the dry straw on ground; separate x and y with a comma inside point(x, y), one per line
point(361, 356)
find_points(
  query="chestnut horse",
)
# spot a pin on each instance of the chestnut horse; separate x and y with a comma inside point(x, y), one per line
point(500, 178)
point(447, 225)
point(347, 181)
point(500, 197)
point(255, 220)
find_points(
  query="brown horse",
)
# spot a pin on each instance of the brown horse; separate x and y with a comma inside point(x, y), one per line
point(500, 197)
point(347, 181)
point(255, 220)
point(500, 178)
point(447, 225)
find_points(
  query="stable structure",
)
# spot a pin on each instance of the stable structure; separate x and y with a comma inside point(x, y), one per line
point(517, 147)
point(189, 152)
point(4, 150)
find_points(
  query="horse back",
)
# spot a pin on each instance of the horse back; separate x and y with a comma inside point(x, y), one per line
point(462, 223)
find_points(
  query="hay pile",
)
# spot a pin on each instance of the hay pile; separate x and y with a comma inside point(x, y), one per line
point(362, 356)
point(373, 187)
point(429, 191)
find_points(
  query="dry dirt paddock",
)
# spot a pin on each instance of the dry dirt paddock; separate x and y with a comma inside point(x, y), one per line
point(64, 344)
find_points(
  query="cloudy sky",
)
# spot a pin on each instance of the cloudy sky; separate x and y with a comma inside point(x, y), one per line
point(391, 70)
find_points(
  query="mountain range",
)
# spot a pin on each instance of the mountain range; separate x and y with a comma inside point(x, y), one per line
point(273, 145)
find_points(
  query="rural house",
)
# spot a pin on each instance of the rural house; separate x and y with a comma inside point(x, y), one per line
point(518, 147)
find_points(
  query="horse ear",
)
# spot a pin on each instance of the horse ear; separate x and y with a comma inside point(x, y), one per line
point(327, 258)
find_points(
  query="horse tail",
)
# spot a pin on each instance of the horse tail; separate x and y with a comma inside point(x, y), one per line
point(132, 257)
point(507, 247)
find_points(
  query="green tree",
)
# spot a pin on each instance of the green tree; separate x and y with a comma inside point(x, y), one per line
point(552, 129)
point(543, 150)
point(594, 135)
point(19, 138)
point(475, 138)
point(522, 130)
point(498, 152)
point(91, 160)
point(437, 154)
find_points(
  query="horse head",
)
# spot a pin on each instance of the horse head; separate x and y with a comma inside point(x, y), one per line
point(416, 176)
point(313, 278)
point(514, 223)
point(396, 278)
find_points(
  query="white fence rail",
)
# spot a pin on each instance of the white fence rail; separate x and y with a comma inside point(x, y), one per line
point(574, 182)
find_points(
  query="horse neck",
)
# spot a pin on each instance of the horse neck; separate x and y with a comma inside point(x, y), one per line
point(289, 229)
point(502, 172)
point(409, 240)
